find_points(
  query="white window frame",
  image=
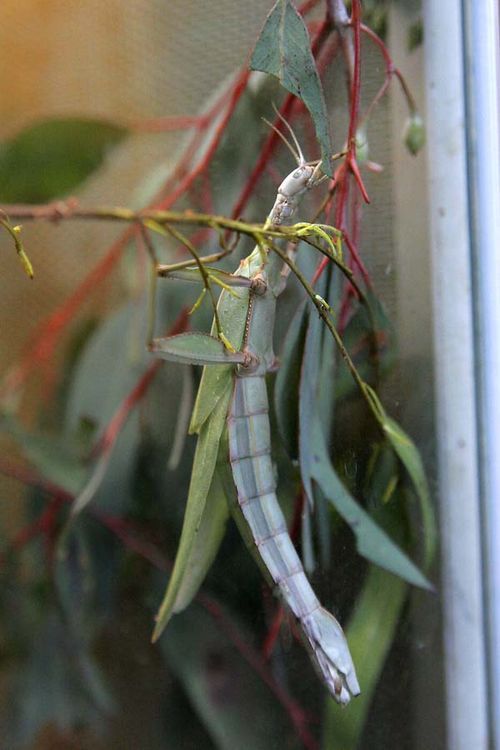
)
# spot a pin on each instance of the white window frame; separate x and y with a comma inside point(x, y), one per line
point(462, 71)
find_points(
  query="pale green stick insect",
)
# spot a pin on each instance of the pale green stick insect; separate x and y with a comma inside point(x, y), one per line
point(232, 421)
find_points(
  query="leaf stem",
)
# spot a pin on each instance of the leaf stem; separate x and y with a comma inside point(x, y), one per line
point(21, 253)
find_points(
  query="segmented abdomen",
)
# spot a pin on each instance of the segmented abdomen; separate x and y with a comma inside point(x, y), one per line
point(250, 458)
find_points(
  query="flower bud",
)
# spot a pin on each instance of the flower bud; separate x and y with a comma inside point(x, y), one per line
point(414, 136)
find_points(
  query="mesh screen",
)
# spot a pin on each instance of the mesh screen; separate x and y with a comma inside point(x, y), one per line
point(117, 60)
point(127, 60)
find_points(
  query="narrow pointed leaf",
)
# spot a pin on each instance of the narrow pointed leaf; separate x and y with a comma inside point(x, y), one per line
point(309, 392)
point(195, 349)
point(286, 389)
point(372, 542)
point(284, 50)
point(208, 538)
point(409, 456)
point(201, 479)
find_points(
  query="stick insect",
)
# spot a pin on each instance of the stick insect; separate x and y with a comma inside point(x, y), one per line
point(232, 420)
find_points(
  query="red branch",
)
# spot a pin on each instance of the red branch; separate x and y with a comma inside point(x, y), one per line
point(350, 165)
point(236, 93)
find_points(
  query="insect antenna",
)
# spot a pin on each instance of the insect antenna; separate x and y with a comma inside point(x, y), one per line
point(301, 159)
point(297, 151)
point(285, 141)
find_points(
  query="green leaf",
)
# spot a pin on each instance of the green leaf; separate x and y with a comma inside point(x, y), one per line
point(372, 626)
point(113, 361)
point(201, 480)
point(208, 538)
point(371, 541)
point(382, 478)
point(236, 705)
point(370, 634)
point(409, 456)
point(195, 349)
point(286, 389)
point(284, 50)
point(50, 158)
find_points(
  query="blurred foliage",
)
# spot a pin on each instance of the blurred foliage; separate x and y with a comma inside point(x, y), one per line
point(50, 158)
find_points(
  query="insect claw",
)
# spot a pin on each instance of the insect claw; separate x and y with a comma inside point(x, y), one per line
point(258, 286)
point(314, 179)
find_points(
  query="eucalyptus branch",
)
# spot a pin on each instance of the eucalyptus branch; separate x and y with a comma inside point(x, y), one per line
point(167, 269)
point(54, 212)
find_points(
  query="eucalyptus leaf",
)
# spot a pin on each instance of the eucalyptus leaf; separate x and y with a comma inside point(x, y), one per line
point(284, 50)
point(382, 477)
point(201, 480)
point(52, 157)
point(286, 389)
point(308, 394)
point(372, 542)
point(409, 456)
point(110, 366)
point(208, 539)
